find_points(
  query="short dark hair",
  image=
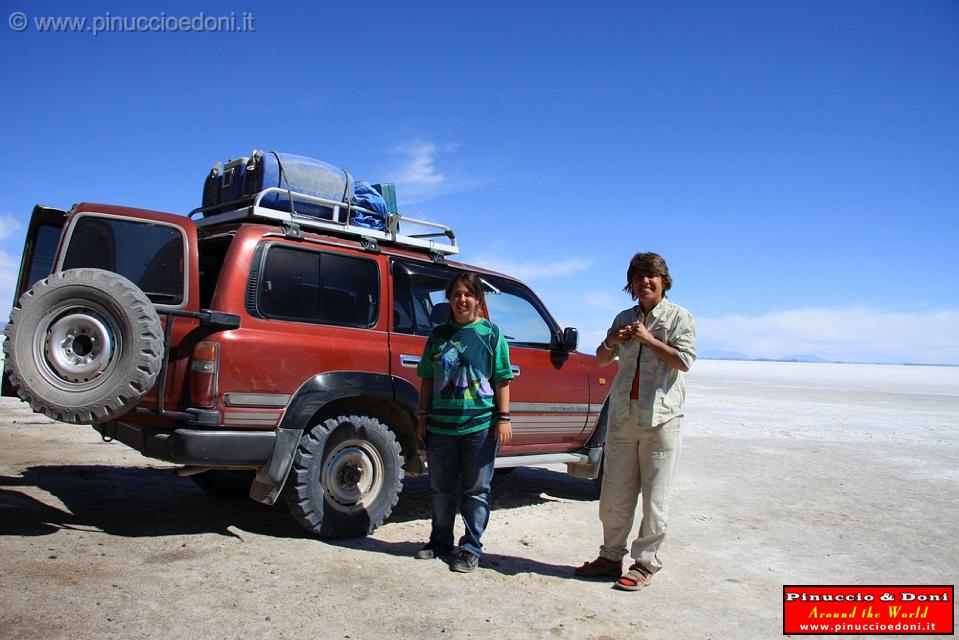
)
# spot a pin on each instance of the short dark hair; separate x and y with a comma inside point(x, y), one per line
point(472, 282)
point(647, 264)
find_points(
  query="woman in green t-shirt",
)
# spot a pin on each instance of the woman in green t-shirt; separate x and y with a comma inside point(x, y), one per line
point(463, 418)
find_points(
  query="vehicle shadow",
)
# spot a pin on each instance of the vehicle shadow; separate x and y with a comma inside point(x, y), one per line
point(145, 502)
point(130, 502)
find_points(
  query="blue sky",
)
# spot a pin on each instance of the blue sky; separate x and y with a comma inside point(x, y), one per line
point(797, 163)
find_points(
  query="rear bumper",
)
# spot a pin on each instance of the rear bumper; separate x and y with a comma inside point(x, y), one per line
point(200, 447)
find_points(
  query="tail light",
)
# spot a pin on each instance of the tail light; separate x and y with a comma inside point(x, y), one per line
point(204, 371)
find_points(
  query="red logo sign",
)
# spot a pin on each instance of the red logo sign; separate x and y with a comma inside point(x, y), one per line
point(872, 610)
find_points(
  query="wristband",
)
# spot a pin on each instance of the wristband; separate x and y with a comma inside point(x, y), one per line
point(606, 346)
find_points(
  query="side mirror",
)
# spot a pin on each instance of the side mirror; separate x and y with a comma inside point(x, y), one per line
point(570, 339)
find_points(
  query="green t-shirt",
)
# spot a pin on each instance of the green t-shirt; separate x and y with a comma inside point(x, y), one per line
point(465, 362)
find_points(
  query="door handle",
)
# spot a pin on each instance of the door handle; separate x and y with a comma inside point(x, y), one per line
point(515, 369)
point(407, 360)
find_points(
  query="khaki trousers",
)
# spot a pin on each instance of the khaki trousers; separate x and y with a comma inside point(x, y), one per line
point(638, 461)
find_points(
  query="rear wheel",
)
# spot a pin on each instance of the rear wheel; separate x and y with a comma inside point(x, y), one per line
point(84, 345)
point(346, 477)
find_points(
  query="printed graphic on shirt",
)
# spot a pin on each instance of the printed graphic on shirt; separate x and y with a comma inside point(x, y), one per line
point(464, 362)
point(460, 381)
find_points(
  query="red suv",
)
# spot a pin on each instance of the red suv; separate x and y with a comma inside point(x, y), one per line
point(275, 353)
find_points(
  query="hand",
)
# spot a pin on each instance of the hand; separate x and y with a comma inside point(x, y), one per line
point(421, 428)
point(641, 333)
point(621, 335)
point(504, 432)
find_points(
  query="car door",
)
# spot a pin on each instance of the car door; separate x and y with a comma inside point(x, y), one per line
point(549, 396)
point(39, 253)
point(310, 309)
point(155, 251)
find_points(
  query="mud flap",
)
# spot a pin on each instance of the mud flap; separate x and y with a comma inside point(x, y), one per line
point(588, 470)
point(271, 477)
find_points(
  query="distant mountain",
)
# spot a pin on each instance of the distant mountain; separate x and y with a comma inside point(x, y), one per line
point(802, 358)
point(723, 354)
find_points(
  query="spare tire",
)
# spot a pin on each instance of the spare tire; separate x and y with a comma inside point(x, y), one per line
point(84, 346)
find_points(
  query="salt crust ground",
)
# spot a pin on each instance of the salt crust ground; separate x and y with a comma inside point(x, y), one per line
point(791, 474)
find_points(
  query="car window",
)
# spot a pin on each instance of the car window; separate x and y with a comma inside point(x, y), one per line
point(519, 318)
point(314, 286)
point(419, 297)
point(211, 258)
point(150, 255)
point(44, 251)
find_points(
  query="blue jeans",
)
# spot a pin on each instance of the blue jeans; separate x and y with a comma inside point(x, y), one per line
point(461, 467)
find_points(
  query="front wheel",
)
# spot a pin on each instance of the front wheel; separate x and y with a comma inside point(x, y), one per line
point(346, 477)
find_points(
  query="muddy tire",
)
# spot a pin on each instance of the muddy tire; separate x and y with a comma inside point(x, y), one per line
point(84, 346)
point(346, 477)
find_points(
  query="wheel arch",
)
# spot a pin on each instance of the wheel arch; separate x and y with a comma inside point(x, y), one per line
point(391, 400)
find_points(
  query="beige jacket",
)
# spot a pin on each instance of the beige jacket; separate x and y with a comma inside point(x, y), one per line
point(662, 389)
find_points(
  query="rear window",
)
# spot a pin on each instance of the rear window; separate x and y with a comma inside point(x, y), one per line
point(150, 255)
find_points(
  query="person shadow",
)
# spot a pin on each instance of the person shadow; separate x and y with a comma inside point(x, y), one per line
point(519, 487)
point(501, 563)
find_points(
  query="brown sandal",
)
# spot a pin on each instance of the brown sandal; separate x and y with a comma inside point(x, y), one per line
point(635, 579)
point(600, 568)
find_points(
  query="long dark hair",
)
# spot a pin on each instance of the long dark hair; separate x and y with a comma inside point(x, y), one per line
point(473, 284)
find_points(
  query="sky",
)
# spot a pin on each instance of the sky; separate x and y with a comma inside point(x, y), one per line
point(796, 163)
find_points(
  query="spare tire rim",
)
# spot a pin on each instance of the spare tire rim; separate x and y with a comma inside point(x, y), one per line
point(77, 345)
point(351, 475)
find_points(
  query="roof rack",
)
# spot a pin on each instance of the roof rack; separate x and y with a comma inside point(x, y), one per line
point(339, 222)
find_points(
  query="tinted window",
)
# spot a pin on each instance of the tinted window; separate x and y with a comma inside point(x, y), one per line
point(44, 251)
point(149, 255)
point(419, 298)
point(515, 312)
point(212, 256)
point(312, 286)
